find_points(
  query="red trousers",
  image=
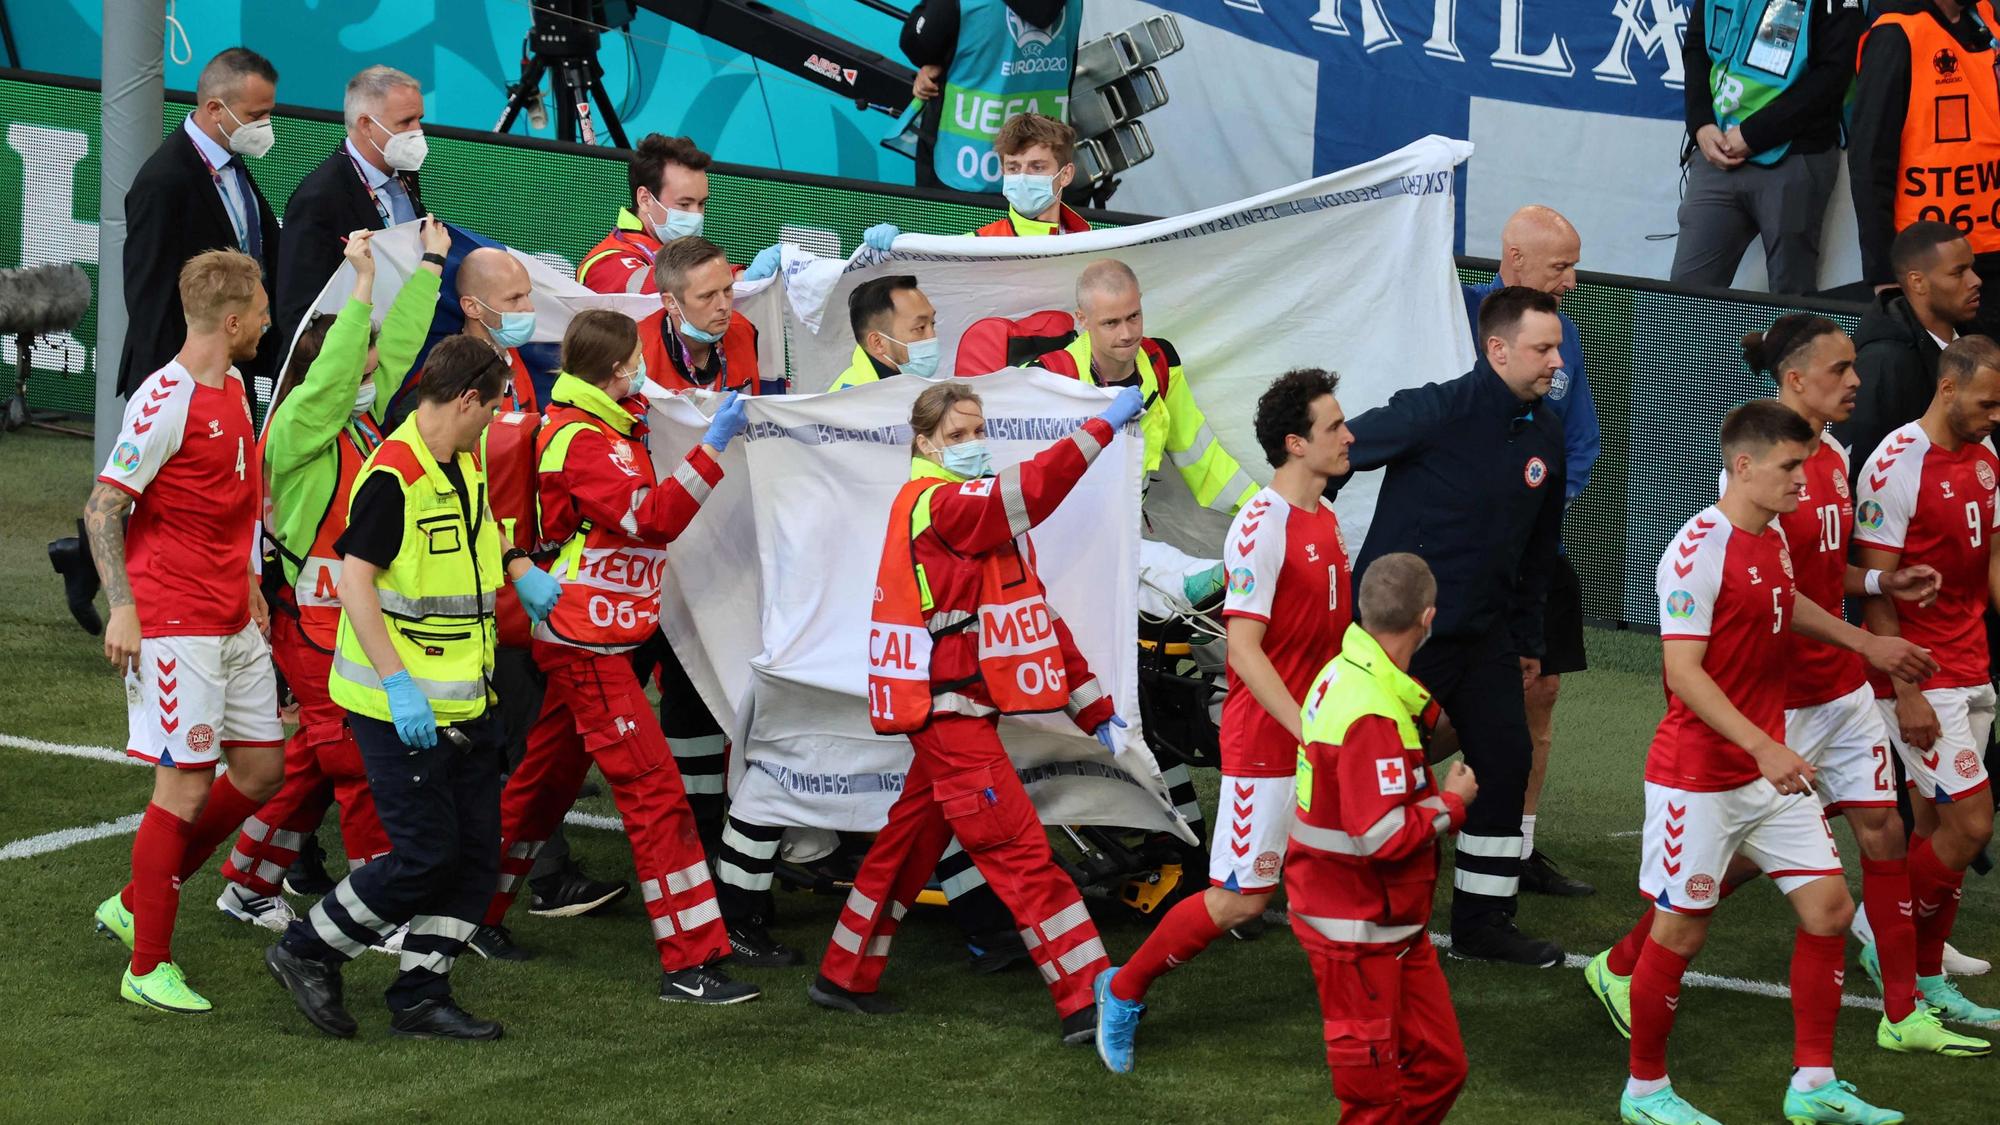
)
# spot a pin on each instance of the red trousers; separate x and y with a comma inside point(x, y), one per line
point(595, 709)
point(322, 766)
point(1392, 1038)
point(962, 783)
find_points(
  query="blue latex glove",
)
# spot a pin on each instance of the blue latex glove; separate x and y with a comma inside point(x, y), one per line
point(1127, 406)
point(538, 590)
point(881, 236)
point(764, 264)
point(1106, 737)
point(415, 723)
point(727, 423)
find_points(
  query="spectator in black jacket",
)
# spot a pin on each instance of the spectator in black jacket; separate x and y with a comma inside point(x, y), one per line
point(1899, 179)
point(1757, 167)
point(195, 194)
point(1897, 345)
point(369, 183)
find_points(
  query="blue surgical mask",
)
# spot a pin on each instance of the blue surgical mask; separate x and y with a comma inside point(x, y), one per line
point(967, 459)
point(637, 386)
point(679, 224)
point(698, 335)
point(1028, 195)
point(516, 328)
point(923, 361)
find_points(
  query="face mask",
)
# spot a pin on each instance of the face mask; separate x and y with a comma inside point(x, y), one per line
point(405, 152)
point(923, 361)
point(516, 328)
point(679, 224)
point(698, 335)
point(364, 399)
point(637, 385)
point(967, 459)
point(1028, 195)
point(252, 139)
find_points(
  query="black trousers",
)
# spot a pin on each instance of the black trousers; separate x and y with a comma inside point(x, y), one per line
point(1477, 680)
point(520, 685)
point(441, 810)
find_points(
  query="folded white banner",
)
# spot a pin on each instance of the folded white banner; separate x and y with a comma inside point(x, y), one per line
point(1350, 271)
point(768, 595)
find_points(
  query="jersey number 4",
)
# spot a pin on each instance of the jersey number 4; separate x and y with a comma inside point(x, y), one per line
point(239, 458)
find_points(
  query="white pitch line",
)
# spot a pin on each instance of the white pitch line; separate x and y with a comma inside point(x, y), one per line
point(70, 837)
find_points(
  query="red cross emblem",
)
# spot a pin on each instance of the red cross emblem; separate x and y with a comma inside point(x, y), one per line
point(1389, 774)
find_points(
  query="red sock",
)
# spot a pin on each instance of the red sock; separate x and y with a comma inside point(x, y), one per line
point(1625, 955)
point(156, 887)
point(1185, 931)
point(1934, 889)
point(1656, 993)
point(226, 810)
point(1885, 888)
point(1818, 970)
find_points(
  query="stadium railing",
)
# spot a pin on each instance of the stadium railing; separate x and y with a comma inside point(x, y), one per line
point(1664, 361)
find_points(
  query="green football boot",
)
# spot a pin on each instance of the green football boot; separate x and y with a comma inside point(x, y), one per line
point(113, 920)
point(1611, 990)
point(166, 989)
point(1661, 1107)
point(1871, 963)
point(1834, 1104)
point(1940, 993)
point(1921, 1032)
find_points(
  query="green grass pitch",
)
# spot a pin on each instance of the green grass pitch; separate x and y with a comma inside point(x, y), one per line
point(1232, 1038)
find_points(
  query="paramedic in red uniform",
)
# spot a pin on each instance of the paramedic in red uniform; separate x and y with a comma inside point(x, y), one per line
point(601, 498)
point(1363, 863)
point(956, 551)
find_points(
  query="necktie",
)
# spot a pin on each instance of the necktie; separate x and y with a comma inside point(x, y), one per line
point(250, 226)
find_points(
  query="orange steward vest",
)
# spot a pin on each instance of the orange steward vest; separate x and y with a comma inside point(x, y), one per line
point(1949, 168)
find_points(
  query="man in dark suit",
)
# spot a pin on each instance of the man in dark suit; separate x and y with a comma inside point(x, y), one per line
point(369, 183)
point(195, 194)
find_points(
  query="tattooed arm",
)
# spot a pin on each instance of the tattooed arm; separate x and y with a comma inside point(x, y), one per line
point(104, 519)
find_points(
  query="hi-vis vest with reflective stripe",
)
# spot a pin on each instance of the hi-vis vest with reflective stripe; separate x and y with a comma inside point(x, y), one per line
point(1757, 49)
point(611, 583)
point(437, 595)
point(861, 369)
point(317, 588)
point(1020, 654)
point(1949, 167)
point(1173, 424)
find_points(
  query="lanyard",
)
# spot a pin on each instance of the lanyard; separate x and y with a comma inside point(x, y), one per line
point(236, 221)
point(374, 195)
point(677, 351)
point(625, 239)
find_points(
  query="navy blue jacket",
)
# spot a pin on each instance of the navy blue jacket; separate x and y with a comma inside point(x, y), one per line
point(1569, 396)
point(1475, 488)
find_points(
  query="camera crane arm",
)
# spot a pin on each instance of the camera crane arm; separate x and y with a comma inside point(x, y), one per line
point(869, 79)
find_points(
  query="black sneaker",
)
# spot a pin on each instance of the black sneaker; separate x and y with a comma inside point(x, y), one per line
point(315, 988)
point(827, 994)
point(705, 984)
point(71, 559)
point(753, 947)
point(440, 1019)
point(1249, 931)
point(1080, 1028)
point(1542, 877)
point(1495, 938)
point(996, 952)
point(307, 874)
point(496, 943)
point(569, 893)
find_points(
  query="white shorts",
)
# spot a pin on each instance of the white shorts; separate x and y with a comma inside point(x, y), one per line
point(1690, 838)
point(195, 697)
point(1253, 825)
point(1955, 765)
point(1845, 740)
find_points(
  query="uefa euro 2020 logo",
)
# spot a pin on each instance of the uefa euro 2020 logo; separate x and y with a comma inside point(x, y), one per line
point(1869, 515)
point(1680, 605)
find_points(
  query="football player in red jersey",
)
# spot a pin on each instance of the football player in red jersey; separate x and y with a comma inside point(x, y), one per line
point(187, 621)
point(1830, 712)
point(1720, 780)
point(1289, 567)
point(1927, 496)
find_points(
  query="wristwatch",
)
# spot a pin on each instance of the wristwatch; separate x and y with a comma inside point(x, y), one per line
point(512, 553)
point(434, 259)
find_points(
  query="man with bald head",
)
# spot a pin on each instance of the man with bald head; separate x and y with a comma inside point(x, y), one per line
point(1539, 249)
point(494, 297)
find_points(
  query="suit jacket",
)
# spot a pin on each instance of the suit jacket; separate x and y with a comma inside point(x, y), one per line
point(331, 201)
point(172, 213)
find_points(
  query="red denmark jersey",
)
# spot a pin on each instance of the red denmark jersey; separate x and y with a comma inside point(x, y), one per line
point(187, 455)
point(1734, 590)
point(1817, 534)
point(1934, 507)
point(1288, 569)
